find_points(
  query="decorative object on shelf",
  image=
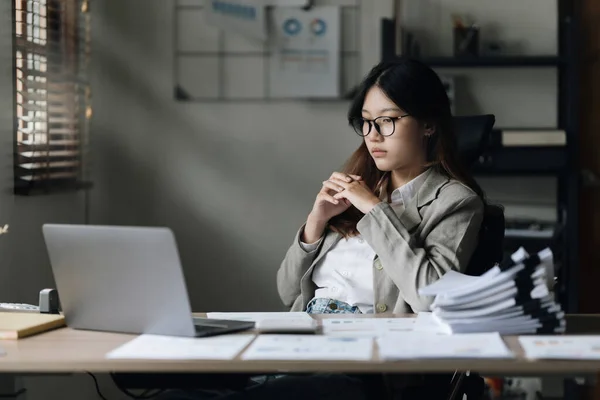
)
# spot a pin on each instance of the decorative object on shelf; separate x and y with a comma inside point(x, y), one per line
point(533, 137)
point(466, 37)
point(493, 48)
point(530, 229)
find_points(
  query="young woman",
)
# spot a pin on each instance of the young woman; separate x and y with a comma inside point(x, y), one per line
point(400, 214)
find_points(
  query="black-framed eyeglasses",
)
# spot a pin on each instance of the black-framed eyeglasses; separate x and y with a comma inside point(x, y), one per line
point(386, 126)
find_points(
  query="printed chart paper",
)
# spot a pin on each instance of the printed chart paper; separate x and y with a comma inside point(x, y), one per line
point(569, 347)
point(366, 327)
point(305, 52)
point(429, 345)
point(309, 347)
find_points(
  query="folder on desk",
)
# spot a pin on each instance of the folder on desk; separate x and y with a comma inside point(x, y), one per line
point(14, 325)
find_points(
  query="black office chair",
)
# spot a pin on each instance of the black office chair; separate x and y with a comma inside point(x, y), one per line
point(473, 136)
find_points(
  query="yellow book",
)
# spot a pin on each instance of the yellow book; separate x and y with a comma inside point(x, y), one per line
point(16, 325)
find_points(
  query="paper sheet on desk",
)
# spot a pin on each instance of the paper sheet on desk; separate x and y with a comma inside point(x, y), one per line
point(569, 347)
point(375, 327)
point(366, 327)
point(224, 347)
point(273, 322)
point(309, 347)
point(258, 316)
point(426, 322)
point(429, 345)
point(449, 282)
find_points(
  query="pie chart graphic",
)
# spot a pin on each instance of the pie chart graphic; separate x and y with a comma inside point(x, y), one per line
point(318, 27)
point(292, 26)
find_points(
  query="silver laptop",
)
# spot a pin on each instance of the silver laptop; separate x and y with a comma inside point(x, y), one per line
point(125, 279)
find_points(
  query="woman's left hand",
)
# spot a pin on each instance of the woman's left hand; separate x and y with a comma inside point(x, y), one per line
point(357, 193)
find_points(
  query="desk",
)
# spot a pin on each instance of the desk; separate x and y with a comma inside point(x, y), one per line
point(68, 350)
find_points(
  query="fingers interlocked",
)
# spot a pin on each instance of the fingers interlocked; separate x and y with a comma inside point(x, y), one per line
point(339, 182)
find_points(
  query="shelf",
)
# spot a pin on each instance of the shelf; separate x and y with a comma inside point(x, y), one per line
point(547, 161)
point(482, 62)
point(498, 61)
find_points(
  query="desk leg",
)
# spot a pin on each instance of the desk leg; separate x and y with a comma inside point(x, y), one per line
point(595, 395)
point(11, 387)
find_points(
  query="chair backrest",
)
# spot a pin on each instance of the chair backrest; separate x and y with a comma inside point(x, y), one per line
point(473, 134)
point(490, 248)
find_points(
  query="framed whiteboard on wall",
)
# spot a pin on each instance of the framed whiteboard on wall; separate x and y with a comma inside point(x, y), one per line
point(212, 64)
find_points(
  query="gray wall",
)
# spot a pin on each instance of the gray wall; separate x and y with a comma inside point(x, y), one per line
point(24, 265)
point(233, 180)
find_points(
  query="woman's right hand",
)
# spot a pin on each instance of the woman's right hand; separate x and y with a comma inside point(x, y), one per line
point(326, 207)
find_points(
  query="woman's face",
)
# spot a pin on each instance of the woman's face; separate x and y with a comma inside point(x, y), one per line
point(404, 149)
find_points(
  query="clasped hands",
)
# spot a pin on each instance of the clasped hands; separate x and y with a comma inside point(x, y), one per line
point(337, 194)
point(351, 189)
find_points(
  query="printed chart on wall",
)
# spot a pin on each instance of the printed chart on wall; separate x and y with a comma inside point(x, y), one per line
point(305, 53)
point(246, 17)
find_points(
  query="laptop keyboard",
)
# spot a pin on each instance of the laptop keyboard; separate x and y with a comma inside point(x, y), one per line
point(206, 326)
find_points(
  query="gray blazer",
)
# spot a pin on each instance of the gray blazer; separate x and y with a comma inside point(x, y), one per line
point(416, 244)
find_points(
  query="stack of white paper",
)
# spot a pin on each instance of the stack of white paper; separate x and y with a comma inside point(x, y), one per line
point(309, 347)
point(425, 322)
point(428, 345)
point(508, 299)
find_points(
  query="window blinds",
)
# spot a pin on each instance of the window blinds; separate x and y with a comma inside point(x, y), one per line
point(52, 103)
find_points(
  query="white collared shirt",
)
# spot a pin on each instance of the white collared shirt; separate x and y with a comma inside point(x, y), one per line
point(345, 273)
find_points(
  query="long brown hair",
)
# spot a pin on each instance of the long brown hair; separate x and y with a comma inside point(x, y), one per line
point(418, 90)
